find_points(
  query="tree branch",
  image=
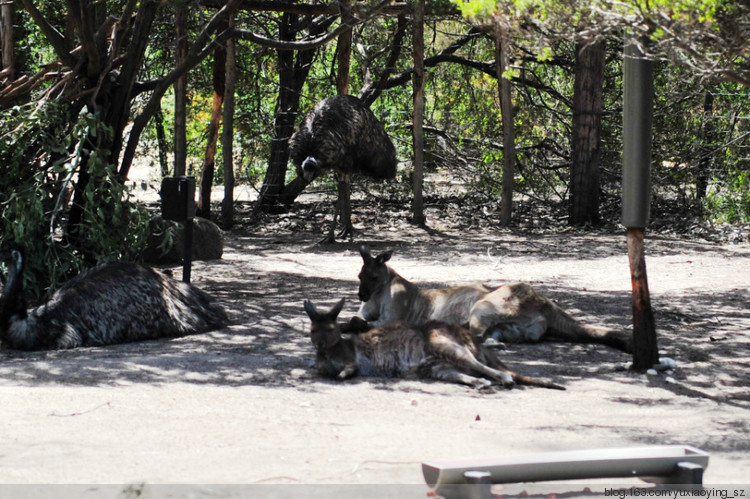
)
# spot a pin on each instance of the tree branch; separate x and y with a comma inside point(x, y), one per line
point(202, 47)
point(55, 38)
point(313, 42)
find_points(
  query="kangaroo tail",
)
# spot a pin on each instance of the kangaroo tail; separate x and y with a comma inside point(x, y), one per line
point(529, 381)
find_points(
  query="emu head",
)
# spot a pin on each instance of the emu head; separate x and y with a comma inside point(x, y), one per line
point(324, 331)
point(309, 169)
point(374, 274)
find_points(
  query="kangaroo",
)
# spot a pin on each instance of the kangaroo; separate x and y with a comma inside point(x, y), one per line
point(435, 350)
point(511, 312)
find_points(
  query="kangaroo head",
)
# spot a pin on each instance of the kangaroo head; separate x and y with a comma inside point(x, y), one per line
point(374, 274)
point(324, 332)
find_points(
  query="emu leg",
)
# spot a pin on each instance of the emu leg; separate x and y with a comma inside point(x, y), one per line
point(343, 210)
point(345, 195)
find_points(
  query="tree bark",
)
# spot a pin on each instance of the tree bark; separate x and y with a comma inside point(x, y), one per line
point(645, 348)
point(418, 86)
point(180, 91)
point(209, 159)
point(502, 42)
point(344, 48)
point(587, 112)
point(227, 137)
point(6, 40)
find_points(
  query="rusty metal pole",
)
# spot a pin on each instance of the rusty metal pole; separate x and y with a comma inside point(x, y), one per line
point(638, 98)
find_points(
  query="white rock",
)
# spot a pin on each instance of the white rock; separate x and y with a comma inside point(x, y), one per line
point(668, 361)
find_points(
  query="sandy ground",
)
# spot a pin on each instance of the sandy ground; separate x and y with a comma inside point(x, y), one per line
point(241, 406)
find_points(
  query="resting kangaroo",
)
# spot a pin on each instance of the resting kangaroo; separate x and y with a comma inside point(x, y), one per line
point(511, 312)
point(435, 350)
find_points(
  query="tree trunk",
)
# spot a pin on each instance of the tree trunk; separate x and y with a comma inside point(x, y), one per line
point(418, 86)
point(274, 195)
point(502, 48)
point(209, 159)
point(227, 137)
point(344, 48)
point(6, 40)
point(587, 113)
point(161, 139)
point(645, 348)
point(180, 93)
point(703, 172)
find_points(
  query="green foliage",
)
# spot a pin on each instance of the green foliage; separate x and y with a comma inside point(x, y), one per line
point(729, 201)
point(37, 174)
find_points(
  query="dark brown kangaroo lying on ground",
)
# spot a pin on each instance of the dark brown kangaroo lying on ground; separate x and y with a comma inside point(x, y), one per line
point(435, 350)
point(511, 312)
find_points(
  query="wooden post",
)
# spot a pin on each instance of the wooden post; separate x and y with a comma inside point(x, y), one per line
point(638, 95)
point(418, 123)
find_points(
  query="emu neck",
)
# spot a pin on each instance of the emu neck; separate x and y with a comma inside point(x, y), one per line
point(12, 303)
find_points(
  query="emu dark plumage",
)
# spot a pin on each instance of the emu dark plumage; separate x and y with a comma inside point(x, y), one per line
point(111, 303)
point(340, 133)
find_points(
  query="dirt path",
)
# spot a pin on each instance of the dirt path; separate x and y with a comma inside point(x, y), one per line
point(239, 406)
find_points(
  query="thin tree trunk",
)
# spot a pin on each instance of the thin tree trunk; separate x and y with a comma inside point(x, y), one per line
point(418, 86)
point(343, 181)
point(506, 108)
point(645, 348)
point(709, 137)
point(344, 48)
point(227, 137)
point(587, 112)
point(209, 159)
point(161, 139)
point(180, 91)
point(6, 40)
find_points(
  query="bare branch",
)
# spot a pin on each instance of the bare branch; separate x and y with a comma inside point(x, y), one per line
point(202, 47)
point(313, 42)
point(55, 38)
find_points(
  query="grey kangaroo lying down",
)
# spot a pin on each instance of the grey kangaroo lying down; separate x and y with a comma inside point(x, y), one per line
point(511, 312)
point(435, 350)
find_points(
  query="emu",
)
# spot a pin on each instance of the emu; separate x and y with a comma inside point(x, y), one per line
point(112, 303)
point(511, 312)
point(434, 350)
point(340, 133)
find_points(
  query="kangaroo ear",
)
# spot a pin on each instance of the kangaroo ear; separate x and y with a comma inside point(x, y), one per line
point(312, 312)
point(364, 250)
point(336, 310)
point(384, 257)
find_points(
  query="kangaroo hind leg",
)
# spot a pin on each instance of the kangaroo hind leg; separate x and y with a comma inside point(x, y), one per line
point(444, 371)
point(463, 359)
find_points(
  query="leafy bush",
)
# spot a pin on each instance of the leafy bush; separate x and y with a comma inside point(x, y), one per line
point(38, 171)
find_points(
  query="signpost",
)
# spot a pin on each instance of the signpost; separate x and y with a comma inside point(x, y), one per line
point(178, 204)
point(638, 98)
